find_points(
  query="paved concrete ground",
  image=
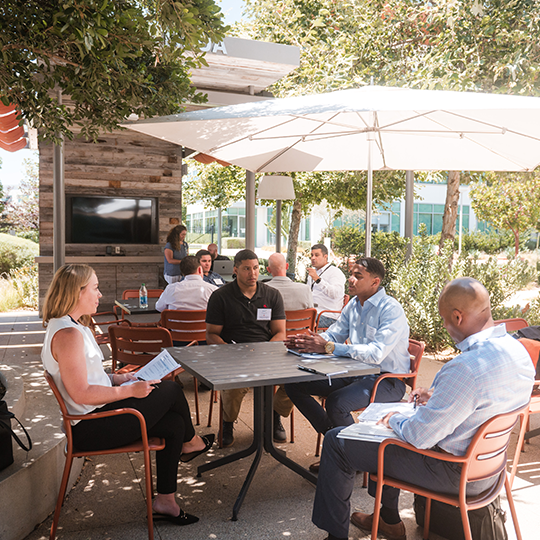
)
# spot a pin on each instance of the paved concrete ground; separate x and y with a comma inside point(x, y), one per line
point(108, 503)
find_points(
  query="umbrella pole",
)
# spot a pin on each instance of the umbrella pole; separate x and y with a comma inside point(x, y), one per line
point(278, 226)
point(409, 211)
point(369, 198)
point(250, 210)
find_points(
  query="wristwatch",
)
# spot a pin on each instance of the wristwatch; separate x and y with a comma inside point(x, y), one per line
point(318, 280)
point(329, 347)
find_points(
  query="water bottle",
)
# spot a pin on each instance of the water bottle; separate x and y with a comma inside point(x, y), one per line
point(143, 297)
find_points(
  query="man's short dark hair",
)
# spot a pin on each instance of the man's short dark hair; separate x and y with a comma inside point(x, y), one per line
point(244, 255)
point(373, 266)
point(189, 265)
point(322, 247)
point(202, 252)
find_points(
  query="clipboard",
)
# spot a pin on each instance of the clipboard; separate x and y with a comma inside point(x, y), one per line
point(326, 369)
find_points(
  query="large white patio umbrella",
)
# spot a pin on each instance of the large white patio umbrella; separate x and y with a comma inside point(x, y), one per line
point(371, 128)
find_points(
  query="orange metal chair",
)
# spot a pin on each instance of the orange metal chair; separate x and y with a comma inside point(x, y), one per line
point(533, 348)
point(134, 293)
point(145, 445)
point(188, 326)
point(300, 321)
point(346, 299)
point(102, 337)
point(136, 346)
point(485, 458)
point(512, 325)
point(416, 350)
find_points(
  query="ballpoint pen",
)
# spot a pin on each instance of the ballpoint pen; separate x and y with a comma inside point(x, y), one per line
point(141, 379)
point(415, 401)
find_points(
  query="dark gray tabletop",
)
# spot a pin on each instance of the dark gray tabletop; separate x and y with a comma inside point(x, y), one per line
point(131, 306)
point(225, 367)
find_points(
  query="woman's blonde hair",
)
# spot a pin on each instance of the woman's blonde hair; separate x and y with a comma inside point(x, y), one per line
point(64, 292)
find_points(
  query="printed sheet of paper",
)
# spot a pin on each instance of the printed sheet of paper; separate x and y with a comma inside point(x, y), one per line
point(157, 368)
point(367, 428)
point(312, 356)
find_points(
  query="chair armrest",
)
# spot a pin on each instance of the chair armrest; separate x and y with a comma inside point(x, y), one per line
point(114, 412)
point(388, 376)
point(429, 453)
point(319, 316)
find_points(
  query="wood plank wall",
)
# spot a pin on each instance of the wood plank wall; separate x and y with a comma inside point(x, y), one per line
point(122, 163)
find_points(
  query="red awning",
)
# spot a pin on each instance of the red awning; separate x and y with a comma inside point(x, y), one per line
point(11, 133)
point(205, 159)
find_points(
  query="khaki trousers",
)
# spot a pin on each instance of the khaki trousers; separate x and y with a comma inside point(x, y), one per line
point(231, 401)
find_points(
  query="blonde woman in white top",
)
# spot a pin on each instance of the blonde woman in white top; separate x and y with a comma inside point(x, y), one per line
point(73, 358)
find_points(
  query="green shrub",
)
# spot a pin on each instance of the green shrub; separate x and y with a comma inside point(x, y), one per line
point(235, 243)
point(418, 284)
point(19, 289)
point(490, 242)
point(389, 248)
point(16, 252)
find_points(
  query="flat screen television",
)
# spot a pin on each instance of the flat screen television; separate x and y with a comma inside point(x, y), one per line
point(111, 220)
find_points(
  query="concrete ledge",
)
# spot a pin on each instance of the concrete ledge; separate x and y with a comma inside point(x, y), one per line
point(29, 487)
point(13, 381)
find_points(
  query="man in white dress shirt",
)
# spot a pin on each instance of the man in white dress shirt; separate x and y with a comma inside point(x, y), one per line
point(189, 294)
point(327, 284)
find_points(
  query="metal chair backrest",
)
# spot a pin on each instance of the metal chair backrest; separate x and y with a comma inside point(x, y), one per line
point(512, 325)
point(487, 454)
point(300, 321)
point(62, 405)
point(416, 350)
point(134, 293)
point(185, 325)
point(136, 346)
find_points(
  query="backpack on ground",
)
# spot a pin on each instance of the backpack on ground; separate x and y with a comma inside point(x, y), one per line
point(486, 523)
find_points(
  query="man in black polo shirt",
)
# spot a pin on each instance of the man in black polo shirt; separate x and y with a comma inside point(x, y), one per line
point(246, 311)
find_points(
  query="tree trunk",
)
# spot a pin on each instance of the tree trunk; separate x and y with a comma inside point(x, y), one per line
point(294, 229)
point(450, 208)
point(516, 241)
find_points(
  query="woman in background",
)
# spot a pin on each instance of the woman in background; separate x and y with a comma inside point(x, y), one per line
point(74, 360)
point(175, 250)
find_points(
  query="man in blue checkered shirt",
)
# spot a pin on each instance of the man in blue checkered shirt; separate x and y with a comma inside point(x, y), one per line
point(492, 375)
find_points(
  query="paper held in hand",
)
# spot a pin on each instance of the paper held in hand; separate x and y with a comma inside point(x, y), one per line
point(157, 368)
point(367, 428)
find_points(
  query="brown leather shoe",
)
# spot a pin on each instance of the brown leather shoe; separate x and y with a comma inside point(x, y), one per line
point(314, 467)
point(392, 532)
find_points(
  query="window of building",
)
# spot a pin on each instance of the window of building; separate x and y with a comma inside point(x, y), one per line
point(197, 222)
point(431, 215)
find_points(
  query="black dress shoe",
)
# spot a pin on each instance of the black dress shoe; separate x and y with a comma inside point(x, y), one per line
point(314, 467)
point(228, 437)
point(279, 431)
point(182, 519)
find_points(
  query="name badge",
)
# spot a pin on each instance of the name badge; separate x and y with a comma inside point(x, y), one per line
point(218, 281)
point(370, 333)
point(264, 314)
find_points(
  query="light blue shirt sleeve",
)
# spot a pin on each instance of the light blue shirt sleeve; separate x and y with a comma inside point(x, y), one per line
point(445, 410)
point(378, 333)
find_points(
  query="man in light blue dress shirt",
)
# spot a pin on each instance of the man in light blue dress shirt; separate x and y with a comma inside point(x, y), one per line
point(377, 332)
point(493, 375)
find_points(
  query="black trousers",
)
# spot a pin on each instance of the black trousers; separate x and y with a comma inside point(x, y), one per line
point(167, 415)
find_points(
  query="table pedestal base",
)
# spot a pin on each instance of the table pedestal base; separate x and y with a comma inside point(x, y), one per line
point(263, 439)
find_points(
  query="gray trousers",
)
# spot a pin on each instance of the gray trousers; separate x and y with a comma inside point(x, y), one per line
point(342, 458)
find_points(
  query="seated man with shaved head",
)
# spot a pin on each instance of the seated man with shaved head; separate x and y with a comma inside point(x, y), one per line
point(492, 375)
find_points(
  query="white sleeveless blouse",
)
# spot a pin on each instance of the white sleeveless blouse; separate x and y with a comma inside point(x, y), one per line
point(92, 354)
